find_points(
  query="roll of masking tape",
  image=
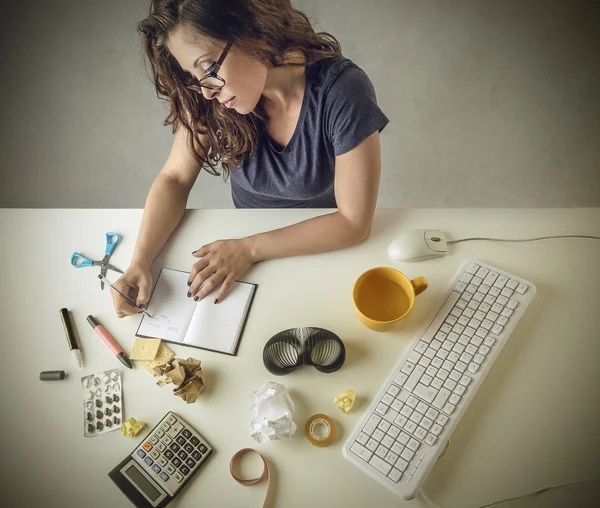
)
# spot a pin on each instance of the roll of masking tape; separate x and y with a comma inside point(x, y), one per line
point(320, 430)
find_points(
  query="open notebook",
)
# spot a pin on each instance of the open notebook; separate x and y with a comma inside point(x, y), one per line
point(203, 324)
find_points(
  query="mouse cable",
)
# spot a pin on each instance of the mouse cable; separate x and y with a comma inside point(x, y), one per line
point(525, 239)
point(434, 505)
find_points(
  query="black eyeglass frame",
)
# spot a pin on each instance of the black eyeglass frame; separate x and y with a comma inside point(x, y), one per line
point(212, 74)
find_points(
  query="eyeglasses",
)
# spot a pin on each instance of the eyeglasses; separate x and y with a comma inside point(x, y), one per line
point(211, 81)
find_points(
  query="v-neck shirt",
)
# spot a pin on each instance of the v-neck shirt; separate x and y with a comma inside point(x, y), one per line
point(339, 110)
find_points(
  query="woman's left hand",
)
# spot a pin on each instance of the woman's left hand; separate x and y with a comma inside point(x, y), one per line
point(222, 262)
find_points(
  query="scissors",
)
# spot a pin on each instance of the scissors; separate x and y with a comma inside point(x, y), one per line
point(79, 261)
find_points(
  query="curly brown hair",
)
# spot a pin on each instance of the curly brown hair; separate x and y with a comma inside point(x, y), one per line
point(265, 29)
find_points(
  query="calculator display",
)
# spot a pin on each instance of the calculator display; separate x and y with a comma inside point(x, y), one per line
point(144, 485)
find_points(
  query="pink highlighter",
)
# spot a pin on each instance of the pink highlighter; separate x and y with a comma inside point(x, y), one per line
point(110, 342)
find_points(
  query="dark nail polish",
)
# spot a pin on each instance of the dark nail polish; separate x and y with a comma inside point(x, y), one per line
point(189, 283)
point(189, 294)
point(195, 298)
point(216, 300)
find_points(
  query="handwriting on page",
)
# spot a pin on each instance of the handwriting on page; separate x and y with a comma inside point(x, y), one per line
point(170, 306)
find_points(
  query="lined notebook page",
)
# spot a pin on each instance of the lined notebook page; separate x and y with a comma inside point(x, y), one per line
point(170, 308)
point(218, 326)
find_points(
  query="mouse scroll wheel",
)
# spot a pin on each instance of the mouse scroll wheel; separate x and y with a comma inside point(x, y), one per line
point(435, 239)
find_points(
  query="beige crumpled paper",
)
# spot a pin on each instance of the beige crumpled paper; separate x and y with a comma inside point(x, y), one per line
point(186, 375)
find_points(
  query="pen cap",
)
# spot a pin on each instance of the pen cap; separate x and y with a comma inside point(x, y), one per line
point(52, 375)
point(68, 326)
point(92, 321)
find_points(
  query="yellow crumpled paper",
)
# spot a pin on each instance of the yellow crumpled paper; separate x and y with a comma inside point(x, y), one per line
point(186, 375)
point(131, 427)
point(345, 401)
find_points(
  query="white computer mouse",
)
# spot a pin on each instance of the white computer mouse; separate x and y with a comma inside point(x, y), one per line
point(418, 245)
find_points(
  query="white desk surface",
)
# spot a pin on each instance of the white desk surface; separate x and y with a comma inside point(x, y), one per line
point(533, 422)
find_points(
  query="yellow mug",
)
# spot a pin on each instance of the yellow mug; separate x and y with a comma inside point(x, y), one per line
point(382, 296)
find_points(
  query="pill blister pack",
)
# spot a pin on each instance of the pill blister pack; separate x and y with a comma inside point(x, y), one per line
point(102, 402)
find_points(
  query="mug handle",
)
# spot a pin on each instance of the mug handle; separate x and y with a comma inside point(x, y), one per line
point(419, 284)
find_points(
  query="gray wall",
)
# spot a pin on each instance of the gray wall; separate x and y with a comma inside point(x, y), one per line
point(492, 103)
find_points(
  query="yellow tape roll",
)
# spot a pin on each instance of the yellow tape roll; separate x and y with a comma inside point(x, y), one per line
point(320, 420)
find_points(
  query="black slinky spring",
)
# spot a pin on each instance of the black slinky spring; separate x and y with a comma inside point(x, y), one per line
point(314, 346)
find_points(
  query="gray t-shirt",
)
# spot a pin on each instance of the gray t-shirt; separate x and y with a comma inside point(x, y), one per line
point(338, 112)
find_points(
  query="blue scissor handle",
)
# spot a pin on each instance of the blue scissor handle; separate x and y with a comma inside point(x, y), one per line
point(112, 240)
point(79, 261)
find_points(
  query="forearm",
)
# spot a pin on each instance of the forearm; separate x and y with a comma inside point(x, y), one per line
point(320, 234)
point(164, 209)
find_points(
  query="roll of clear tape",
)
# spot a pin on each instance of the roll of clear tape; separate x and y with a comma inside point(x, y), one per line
point(316, 438)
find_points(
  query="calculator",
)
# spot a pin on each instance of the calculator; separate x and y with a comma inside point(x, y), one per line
point(157, 469)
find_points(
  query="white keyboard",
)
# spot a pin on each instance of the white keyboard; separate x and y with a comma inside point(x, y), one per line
point(407, 425)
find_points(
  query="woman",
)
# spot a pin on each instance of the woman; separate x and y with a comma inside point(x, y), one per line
point(291, 122)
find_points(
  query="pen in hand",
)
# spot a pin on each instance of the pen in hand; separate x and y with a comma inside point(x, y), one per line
point(129, 300)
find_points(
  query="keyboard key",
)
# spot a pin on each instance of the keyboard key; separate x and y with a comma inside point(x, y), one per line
point(407, 454)
point(397, 405)
point(378, 435)
point(484, 288)
point(472, 269)
point(500, 281)
point(424, 361)
point(494, 291)
point(393, 432)
point(506, 292)
point(429, 353)
point(432, 413)
point(395, 475)
point(446, 328)
point(506, 313)
point(470, 349)
point(436, 429)
point(410, 426)
point(391, 457)
point(362, 439)
point(420, 433)
point(473, 304)
point(484, 350)
point(372, 445)
point(426, 379)
point(487, 324)
point(482, 333)
point(497, 308)
point(491, 315)
point(406, 411)
point(381, 408)
point(437, 383)
point(522, 289)
point(469, 332)
point(479, 296)
point(408, 367)
point(485, 308)
point(435, 344)
point(463, 320)
point(372, 424)
point(502, 321)
point(381, 451)
point(387, 441)
point(387, 399)
point(461, 304)
point(473, 368)
point(449, 408)
point(497, 329)
point(490, 278)
point(478, 358)
point(454, 399)
point(512, 305)
point(460, 366)
point(400, 420)
point(421, 346)
point(427, 393)
point(471, 288)
point(502, 301)
point(430, 439)
point(465, 380)
point(413, 379)
point(451, 320)
point(412, 402)
point(403, 438)
point(416, 417)
point(381, 465)
point(437, 362)
point(401, 378)
point(455, 375)
point(397, 448)
point(460, 347)
point(467, 313)
point(442, 420)
point(476, 341)
point(450, 384)
point(442, 398)
point(490, 299)
point(459, 390)
point(453, 357)
point(413, 445)
point(383, 426)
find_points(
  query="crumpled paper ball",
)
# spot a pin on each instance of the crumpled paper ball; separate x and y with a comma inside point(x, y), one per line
point(345, 401)
point(186, 375)
point(273, 413)
point(131, 427)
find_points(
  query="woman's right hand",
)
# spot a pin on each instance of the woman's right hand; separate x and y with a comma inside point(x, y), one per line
point(135, 283)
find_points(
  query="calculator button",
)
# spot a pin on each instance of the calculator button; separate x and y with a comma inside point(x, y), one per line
point(194, 441)
point(141, 453)
point(184, 469)
point(174, 447)
point(167, 440)
point(161, 447)
point(175, 429)
point(170, 469)
point(182, 455)
point(202, 448)
point(164, 477)
point(197, 455)
point(162, 461)
point(186, 433)
point(165, 426)
point(171, 419)
point(154, 454)
point(180, 440)
point(153, 439)
point(169, 454)
point(148, 461)
point(156, 468)
point(159, 433)
point(188, 448)
point(147, 446)
point(177, 477)
point(176, 462)
point(190, 463)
